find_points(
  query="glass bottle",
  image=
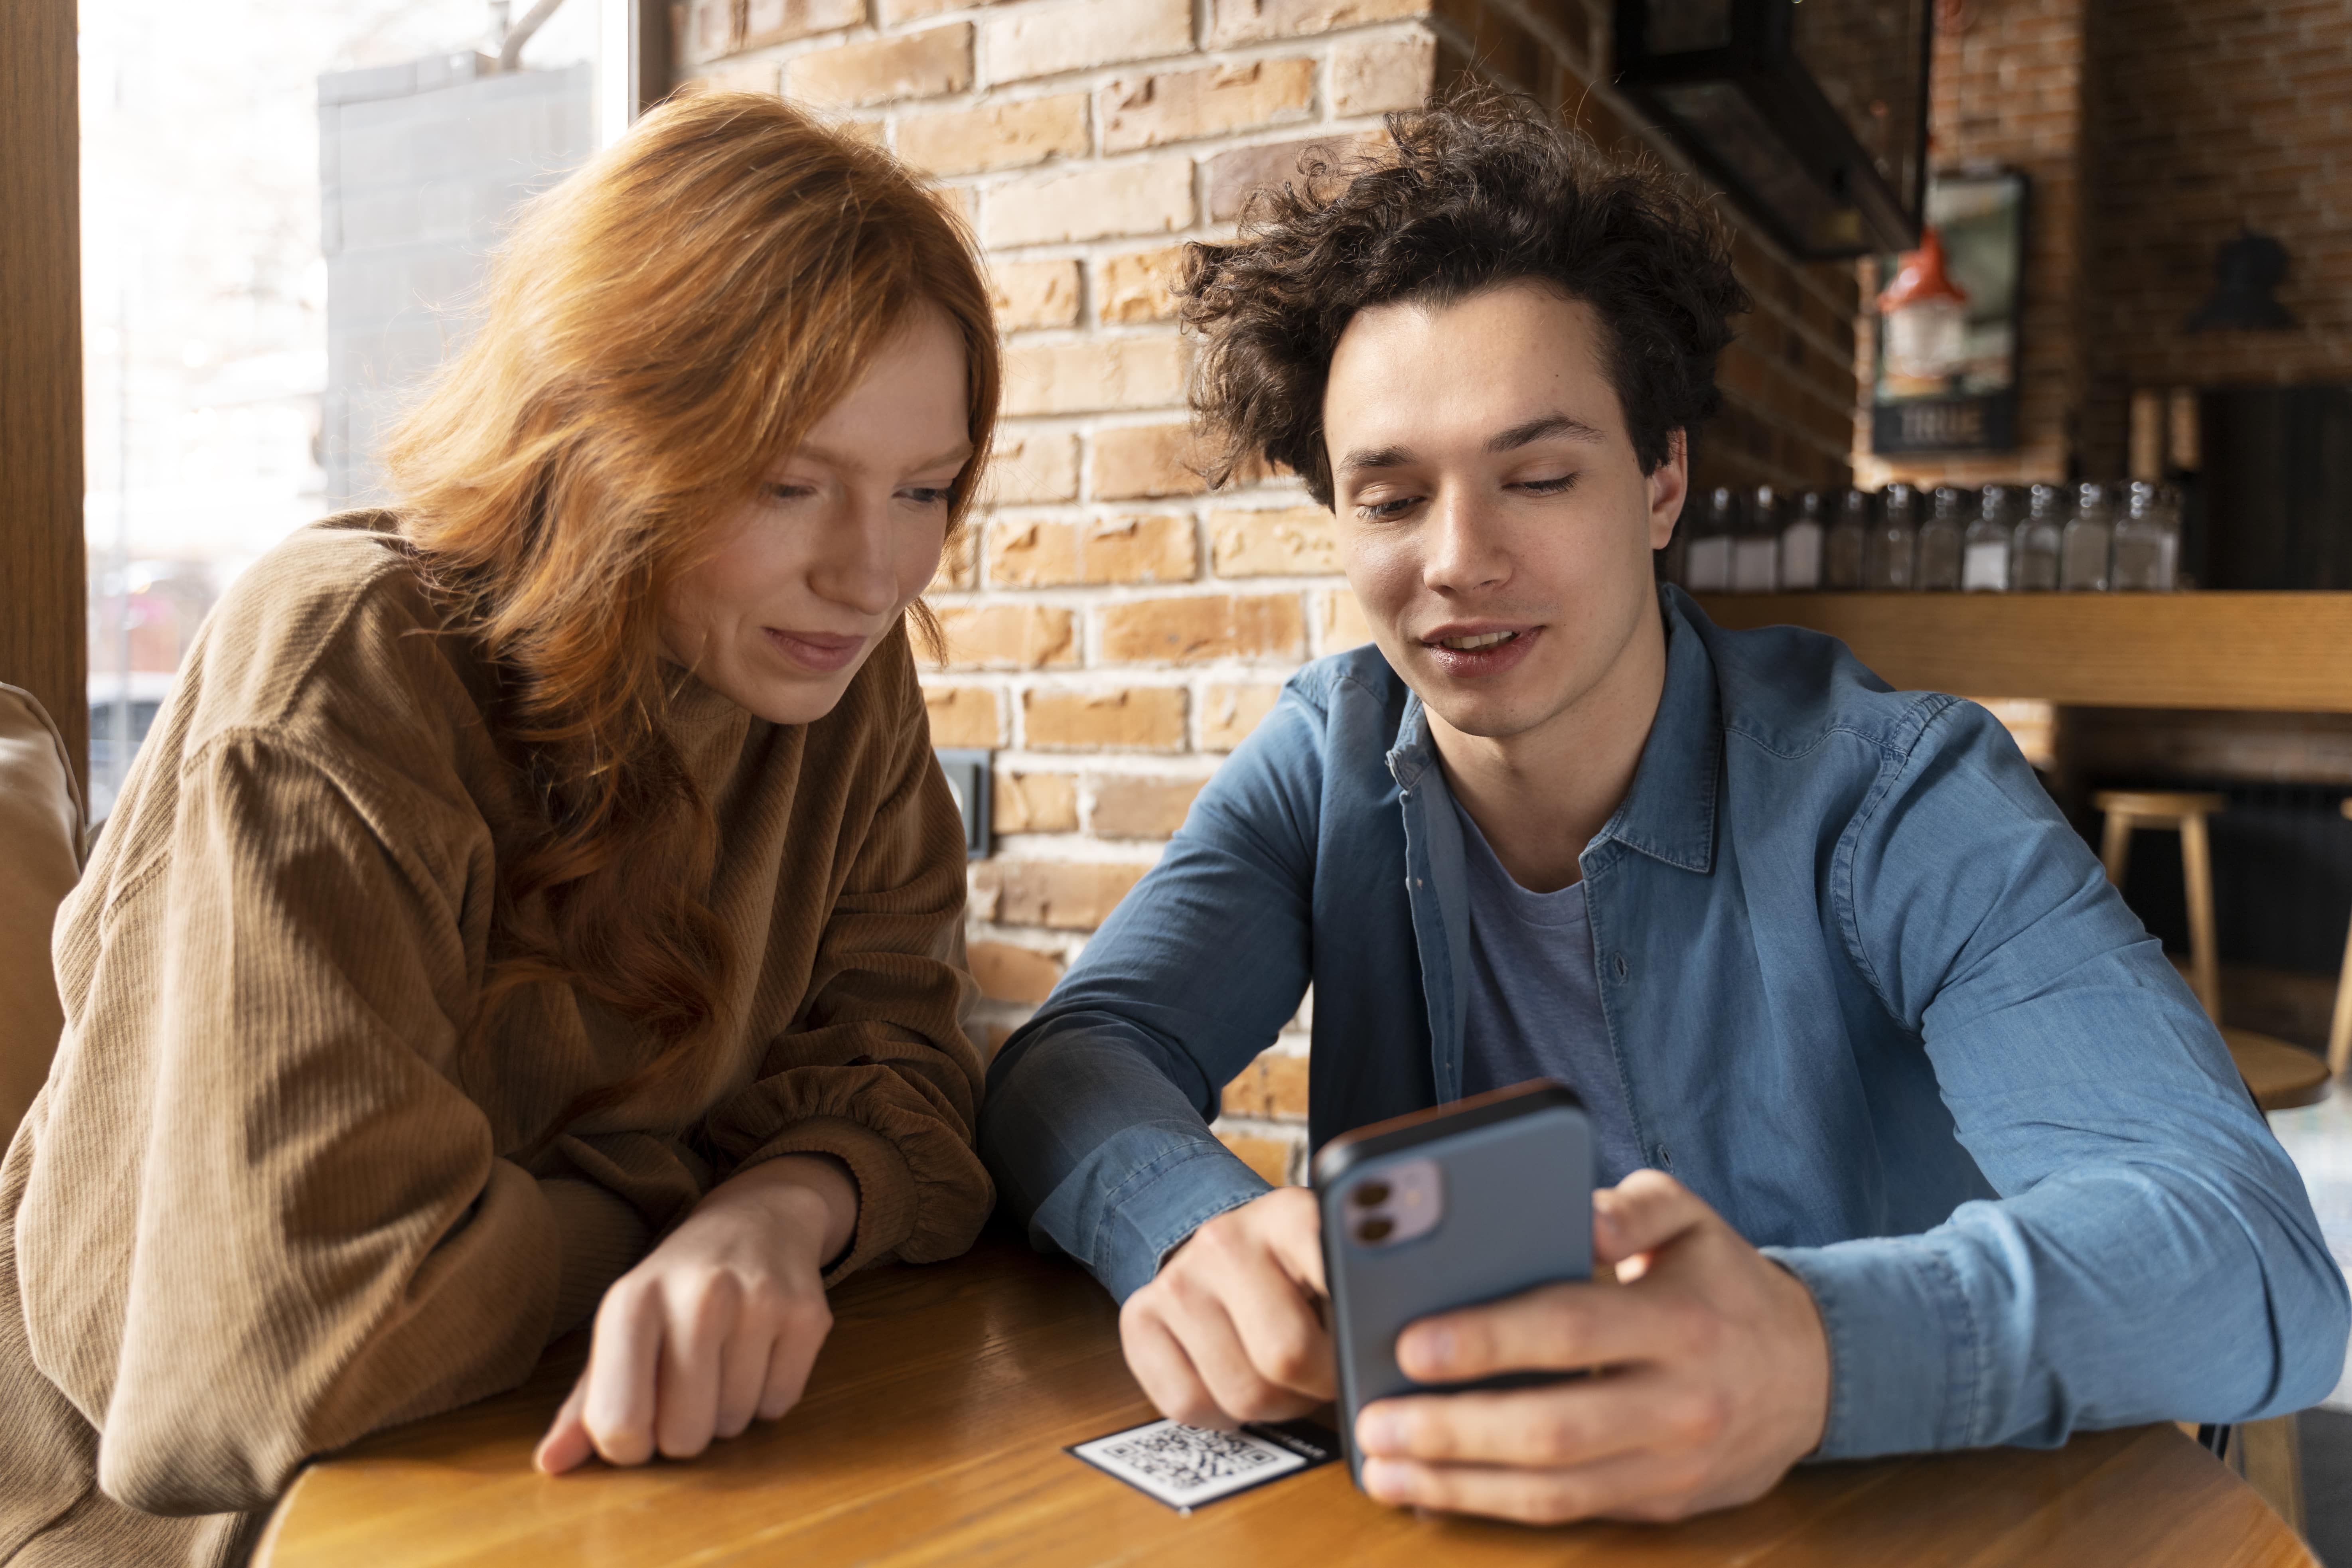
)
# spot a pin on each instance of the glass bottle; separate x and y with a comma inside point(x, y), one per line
point(1886, 565)
point(2033, 560)
point(1985, 552)
point(2147, 541)
point(2090, 535)
point(1800, 544)
point(1706, 569)
point(1939, 540)
point(1842, 551)
point(1756, 545)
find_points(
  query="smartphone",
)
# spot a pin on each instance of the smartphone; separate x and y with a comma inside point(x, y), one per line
point(1456, 1206)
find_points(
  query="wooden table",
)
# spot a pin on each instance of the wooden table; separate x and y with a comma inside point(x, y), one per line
point(932, 1433)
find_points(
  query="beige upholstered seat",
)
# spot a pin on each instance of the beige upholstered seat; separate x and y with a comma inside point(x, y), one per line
point(40, 857)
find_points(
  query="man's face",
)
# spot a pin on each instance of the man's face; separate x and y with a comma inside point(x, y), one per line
point(1493, 519)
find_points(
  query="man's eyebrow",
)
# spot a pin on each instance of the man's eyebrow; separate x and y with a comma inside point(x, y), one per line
point(1374, 457)
point(1536, 430)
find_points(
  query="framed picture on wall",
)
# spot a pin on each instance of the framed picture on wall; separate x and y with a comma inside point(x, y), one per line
point(1949, 322)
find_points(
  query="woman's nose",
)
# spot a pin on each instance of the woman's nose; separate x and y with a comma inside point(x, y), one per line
point(857, 567)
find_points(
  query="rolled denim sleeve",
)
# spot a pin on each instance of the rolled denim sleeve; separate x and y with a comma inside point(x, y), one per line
point(2152, 1254)
point(1096, 1120)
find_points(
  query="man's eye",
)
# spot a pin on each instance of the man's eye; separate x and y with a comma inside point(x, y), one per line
point(1549, 487)
point(1382, 511)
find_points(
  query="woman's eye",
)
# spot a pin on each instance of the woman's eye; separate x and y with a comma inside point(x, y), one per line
point(774, 491)
point(930, 495)
point(1548, 487)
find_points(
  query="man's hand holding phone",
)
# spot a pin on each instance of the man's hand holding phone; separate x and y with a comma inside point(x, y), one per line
point(1711, 1365)
point(1231, 1328)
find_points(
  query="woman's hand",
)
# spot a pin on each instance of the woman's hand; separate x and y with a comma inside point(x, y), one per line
point(720, 1323)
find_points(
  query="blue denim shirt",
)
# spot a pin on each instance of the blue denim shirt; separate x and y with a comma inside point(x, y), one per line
point(1871, 997)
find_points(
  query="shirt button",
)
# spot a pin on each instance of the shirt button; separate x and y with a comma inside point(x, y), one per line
point(1618, 963)
point(1416, 881)
point(1665, 1158)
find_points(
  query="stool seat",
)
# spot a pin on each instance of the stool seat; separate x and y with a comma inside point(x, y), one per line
point(2159, 803)
point(2280, 1076)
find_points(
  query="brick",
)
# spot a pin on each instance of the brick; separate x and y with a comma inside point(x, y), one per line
point(1044, 40)
point(894, 12)
point(1203, 627)
point(1235, 177)
point(996, 135)
point(1343, 622)
point(1133, 549)
point(911, 65)
point(1028, 294)
point(769, 22)
point(1030, 465)
point(964, 715)
point(1271, 1088)
point(1228, 713)
point(1093, 203)
point(1246, 21)
point(1009, 637)
point(1134, 717)
point(1142, 808)
point(1269, 1157)
point(1133, 462)
point(1057, 894)
point(1035, 803)
point(742, 76)
point(1008, 972)
point(1184, 106)
point(1138, 285)
point(1382, 74)
point(1295, 540)
point(1092, 375)
point(710, 29)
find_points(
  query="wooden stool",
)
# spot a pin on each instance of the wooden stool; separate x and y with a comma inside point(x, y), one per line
point(2339, 1032)
point(2279, 1076)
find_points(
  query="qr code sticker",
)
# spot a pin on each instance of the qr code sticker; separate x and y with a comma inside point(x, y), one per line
point(1185, 1466)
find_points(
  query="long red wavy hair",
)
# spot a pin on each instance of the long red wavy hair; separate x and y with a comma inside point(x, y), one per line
point(658, 329)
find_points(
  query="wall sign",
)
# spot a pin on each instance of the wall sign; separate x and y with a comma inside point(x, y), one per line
point(1949, 319)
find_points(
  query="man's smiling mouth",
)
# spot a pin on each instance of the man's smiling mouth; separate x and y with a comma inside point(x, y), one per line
point(1476, 640)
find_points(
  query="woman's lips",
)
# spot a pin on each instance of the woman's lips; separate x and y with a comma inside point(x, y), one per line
point(1472, 664)
point(822, 653)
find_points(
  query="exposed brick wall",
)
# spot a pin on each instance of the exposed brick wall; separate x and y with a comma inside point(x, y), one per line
point(2212, 115)
point(1115, 629)
point(2007, 89)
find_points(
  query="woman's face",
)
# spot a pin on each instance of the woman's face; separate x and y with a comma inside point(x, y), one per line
point(815, 568)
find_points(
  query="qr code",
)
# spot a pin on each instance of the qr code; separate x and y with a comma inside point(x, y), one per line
point(1190, 1458)
point(1182, 1466)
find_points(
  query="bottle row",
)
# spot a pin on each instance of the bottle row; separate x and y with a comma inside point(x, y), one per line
point(2088, 538)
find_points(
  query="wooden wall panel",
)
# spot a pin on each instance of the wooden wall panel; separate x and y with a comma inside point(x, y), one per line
point(43, 646)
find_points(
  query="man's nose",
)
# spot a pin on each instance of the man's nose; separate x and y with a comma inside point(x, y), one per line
point(1463, 549)
point(857, 568)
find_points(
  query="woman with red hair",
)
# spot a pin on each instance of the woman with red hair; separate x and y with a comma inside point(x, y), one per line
point(538, 903)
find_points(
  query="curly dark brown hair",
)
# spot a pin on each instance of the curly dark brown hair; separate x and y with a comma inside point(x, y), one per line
point(1479, 188)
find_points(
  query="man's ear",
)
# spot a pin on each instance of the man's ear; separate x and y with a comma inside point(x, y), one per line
point(1669, 487)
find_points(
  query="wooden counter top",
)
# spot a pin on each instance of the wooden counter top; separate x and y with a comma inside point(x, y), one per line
point(933, 1429)
point(2290, 652)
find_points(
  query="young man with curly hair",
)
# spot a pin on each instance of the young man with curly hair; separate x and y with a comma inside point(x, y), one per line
point(1912, 1139)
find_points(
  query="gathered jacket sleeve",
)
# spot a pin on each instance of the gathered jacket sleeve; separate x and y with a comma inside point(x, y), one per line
point(876, 1069)
point(260, 1219)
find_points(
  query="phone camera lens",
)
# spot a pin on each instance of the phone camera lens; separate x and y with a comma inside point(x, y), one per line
point(1375, 1229)
point(1371, 1195)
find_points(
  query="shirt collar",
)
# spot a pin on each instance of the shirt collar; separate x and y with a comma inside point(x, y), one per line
point(1669, 813)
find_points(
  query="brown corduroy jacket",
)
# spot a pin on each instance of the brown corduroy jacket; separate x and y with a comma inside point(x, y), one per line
point(266, 1205)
